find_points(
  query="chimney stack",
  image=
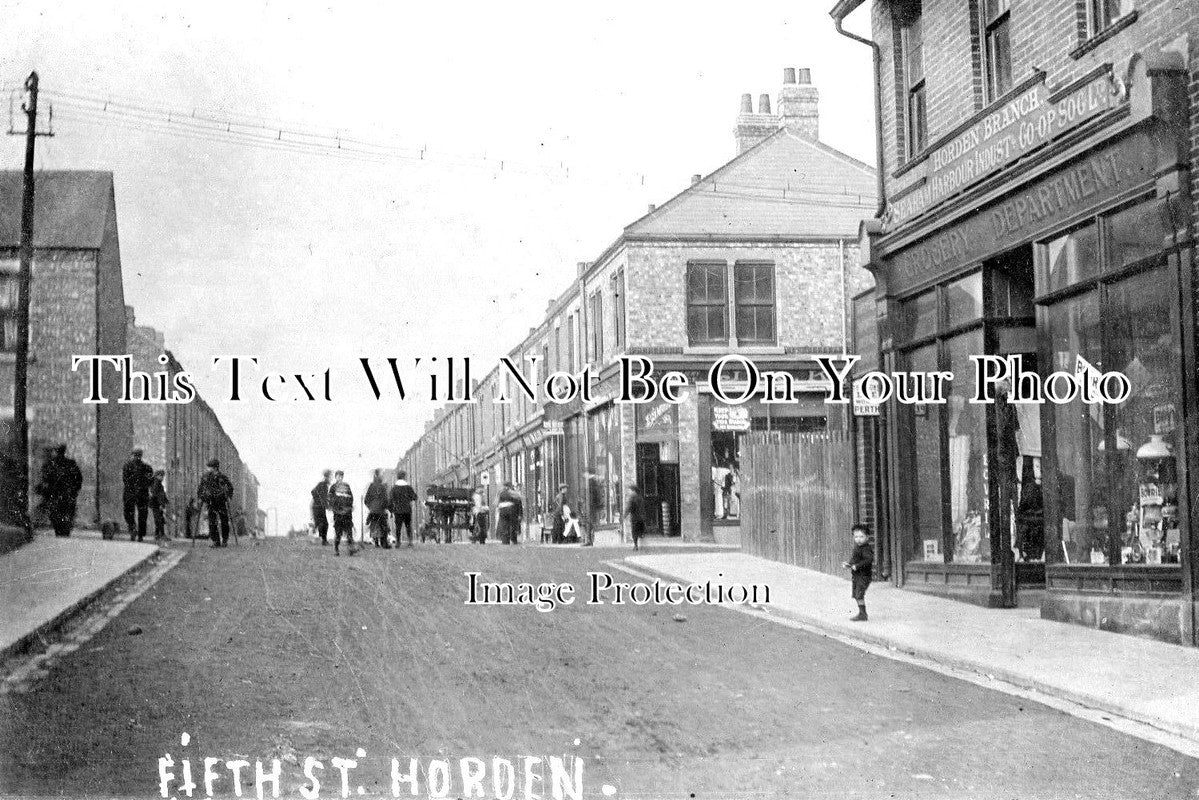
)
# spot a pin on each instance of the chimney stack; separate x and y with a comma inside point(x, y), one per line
point(582, 266)
point(753, 128)
point(696, 178)
point(652, 208)
point(798, 100)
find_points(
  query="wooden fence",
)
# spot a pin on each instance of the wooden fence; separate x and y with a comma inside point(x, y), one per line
point(797, 501)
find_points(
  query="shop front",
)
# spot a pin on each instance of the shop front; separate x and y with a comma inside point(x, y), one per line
point(1076, 253)
point(723, 428)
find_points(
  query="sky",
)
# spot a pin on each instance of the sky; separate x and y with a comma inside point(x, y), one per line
point(545, 127)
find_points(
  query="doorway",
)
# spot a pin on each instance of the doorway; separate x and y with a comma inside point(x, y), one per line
point(659, 482)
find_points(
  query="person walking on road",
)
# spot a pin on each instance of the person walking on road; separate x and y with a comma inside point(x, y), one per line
point(861, 568)
point(158, 504)
point(636, 514)
point(400, 498)
point(61, 482)
point(136, 476)
point(320, 507)
point(215, 491)
point(341, 503)
point(376, 508)
point(511, 509)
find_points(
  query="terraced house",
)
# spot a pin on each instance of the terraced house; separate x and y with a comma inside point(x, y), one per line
point(758, 258)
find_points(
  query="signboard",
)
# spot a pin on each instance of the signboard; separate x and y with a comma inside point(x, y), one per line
point(657, 422)
point(552, 427)
point(1024, 123)
point(861, 407)
point(730, 418)
point(1034, 210)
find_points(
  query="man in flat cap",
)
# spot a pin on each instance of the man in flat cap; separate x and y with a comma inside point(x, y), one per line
point(215, 491)
point(136, 477)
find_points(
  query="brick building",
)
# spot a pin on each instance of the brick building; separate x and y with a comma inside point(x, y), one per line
point(757, 258)
point(77, 307)
point(1039, 202)
point(181, 438)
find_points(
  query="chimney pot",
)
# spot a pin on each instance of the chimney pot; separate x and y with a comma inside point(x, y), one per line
point(805, 75)
point(789, 75)
point(696, 178)
point(747, 104)
point(764, 104)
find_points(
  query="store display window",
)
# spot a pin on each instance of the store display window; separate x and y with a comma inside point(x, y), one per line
point(1114, 477)
point(604, 474)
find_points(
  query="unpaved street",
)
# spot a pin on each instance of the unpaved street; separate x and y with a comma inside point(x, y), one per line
point(278, 649)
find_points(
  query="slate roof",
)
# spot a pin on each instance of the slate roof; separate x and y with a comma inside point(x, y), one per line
point(70, 208)
point(786, 185)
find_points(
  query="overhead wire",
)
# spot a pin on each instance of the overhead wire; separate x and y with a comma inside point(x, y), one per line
point(318, 140)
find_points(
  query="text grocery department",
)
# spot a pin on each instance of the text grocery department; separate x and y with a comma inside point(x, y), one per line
point(731, 379)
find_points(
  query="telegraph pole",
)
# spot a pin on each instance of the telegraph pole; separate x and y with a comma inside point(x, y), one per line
point(24, 279)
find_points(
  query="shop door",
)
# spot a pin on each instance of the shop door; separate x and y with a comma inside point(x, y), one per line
point(668, 490)
point(648, 464)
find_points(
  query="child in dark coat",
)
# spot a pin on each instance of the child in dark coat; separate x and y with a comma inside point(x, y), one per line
point(861, 568)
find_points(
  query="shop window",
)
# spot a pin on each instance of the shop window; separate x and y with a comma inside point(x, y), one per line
point(997, 46)
point(967, 444)
point(1071, 258)
point(919, 316)
point(1012, 286)
point(926, 466)
point(754, 293)
point(912, 53)
point(1135, 233)
point(604, 473)
point(1101, 14)
point(1115, 475)
point(707, 303)
point(1143, 342)
point(1080, 479)
point(964, 300)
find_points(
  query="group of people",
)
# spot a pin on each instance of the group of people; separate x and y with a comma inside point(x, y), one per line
point(510, 510)
point(145, 494)
point(333, 495)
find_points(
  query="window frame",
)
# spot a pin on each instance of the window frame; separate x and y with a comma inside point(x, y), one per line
point(914, 93)
point(707, 302)
point(738, 305)
point(996, 82)
point(618, 308)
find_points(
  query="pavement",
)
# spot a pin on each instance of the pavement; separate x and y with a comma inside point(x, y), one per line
point(1134, 678)
point(44, 582)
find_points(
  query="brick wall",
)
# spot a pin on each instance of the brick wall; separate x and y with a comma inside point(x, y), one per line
point(808, 290)
point(114, 420)
point(1043, 33)
point(62, 323)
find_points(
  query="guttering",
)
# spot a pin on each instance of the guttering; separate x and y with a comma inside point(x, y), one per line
point(839, 12)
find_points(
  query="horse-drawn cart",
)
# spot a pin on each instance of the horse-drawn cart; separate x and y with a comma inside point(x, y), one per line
point(448, 509)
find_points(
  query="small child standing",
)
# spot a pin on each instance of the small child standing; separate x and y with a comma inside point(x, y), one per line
point(861, 567)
